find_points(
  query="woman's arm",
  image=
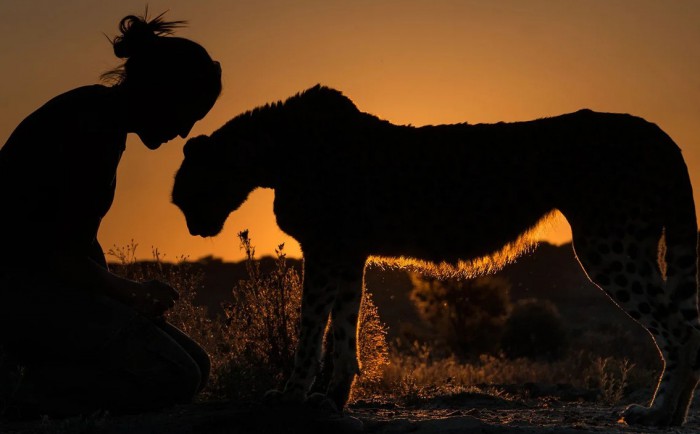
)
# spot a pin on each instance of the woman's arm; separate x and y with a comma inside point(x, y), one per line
point(151, 298)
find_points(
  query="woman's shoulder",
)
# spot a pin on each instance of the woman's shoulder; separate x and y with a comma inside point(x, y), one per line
point(79, 108)
point(86, 111)
point(80, 99)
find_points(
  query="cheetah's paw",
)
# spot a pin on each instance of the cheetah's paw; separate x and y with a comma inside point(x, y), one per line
point(647, 416)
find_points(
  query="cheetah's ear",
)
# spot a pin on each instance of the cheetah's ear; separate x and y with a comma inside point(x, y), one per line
point(196, 146)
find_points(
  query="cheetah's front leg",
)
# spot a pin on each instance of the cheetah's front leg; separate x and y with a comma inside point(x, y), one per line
point(319, 292)
point(344, 318)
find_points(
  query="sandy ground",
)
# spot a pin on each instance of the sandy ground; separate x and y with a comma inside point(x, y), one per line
point(462, 413)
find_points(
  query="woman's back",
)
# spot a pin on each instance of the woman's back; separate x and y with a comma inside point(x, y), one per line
point(57, 172)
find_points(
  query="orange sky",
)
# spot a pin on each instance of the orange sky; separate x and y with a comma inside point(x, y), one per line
point(418, 62)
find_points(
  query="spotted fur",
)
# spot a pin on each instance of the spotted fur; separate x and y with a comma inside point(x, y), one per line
point(349, 185)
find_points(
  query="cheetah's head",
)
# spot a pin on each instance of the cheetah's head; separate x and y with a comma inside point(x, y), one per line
point(208, 186)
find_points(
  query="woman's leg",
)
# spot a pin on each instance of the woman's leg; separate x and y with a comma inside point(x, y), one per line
point(82, 353)
point(198, 354)
point(141, 369)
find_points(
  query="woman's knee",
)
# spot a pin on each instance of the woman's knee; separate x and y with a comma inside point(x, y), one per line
point(195, 351)
point(184, 383)
point(159, 362)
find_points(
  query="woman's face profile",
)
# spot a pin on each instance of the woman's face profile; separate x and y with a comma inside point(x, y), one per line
point(162, 120)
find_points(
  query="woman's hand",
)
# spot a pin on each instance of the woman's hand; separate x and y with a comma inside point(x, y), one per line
point(153, 298)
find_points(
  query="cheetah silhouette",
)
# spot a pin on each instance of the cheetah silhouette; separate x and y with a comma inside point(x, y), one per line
point(349, 185)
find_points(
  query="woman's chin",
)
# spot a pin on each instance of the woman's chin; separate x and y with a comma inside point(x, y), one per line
point(152, 143)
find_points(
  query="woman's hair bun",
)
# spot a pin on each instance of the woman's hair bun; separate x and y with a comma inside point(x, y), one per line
point(138, 33)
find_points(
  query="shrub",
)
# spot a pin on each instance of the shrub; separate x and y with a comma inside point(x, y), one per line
point(191, 318)
point(182, 275)
point(261, 324)
point(534, 330)
point(252, 346)
point(373, 351)
point(611, 377)
point(470, 314)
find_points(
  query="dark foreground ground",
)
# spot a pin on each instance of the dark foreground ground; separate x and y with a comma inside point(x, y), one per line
point(551, 273)
point(461, 413)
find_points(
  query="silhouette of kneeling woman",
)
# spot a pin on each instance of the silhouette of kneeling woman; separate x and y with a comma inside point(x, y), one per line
point(88, 339)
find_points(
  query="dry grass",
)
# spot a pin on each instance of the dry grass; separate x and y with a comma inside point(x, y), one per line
point(414, 376)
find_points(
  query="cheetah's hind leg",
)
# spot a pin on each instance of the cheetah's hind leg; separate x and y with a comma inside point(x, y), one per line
point(623, 261)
